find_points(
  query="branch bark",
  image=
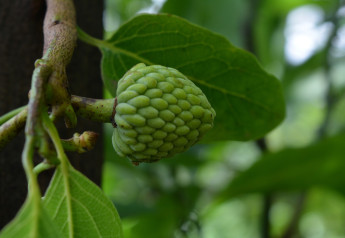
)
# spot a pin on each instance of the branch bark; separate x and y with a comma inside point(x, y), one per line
point(60, 36)
point(59, 42)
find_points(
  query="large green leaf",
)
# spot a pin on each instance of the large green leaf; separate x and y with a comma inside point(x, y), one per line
point(213, 15)
point(321, 164)
point(80, 208)
point(32, 221)
point(248, 101)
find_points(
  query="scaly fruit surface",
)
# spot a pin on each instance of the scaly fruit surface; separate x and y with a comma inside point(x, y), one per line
point(159, 113)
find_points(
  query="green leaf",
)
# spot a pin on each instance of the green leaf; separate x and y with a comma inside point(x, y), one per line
point(32, 221)
point(80, 208)
point(213, 16)
point(248, 101)
point(321, 164)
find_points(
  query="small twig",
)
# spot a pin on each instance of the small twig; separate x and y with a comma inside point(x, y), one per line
point(42, 167)
point(290, 230)
point(11, 114)
point(97, 110)
point(39, 79)
point(27, 157)
point(12, 127)
point(80, 143)
point(33, 127)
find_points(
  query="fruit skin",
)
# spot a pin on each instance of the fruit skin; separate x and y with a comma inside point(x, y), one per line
point(159, 113)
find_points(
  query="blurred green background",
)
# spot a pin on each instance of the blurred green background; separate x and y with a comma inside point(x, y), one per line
point(302, 42)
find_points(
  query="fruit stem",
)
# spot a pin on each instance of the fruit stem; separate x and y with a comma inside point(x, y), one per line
point(98, 110)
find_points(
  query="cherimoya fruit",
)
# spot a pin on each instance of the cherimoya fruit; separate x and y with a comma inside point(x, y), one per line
point(159, 113)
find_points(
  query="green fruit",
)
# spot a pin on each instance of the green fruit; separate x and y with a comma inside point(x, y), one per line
point(159, 113)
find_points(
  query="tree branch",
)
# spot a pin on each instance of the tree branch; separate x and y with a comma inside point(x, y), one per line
point(60, 36)
point(49, 81)
point(4, 118)
point(12, 127)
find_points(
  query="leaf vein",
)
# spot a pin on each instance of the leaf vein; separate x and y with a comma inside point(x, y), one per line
point(231, 93)
point(89, 214)
point(58, 207)
point(119, 40)
point(173, 47)
point(91, 195)
point(52, 190)
point(117, 50)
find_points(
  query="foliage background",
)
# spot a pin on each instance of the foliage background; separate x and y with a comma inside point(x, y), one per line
point(302, 42)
